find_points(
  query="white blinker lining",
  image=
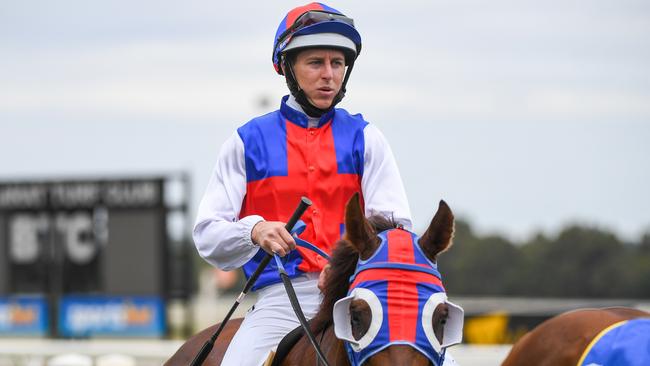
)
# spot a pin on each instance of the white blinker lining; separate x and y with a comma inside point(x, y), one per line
point(453, 331)
point(342, 317)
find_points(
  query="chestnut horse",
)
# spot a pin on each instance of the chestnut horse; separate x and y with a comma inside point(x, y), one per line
point(360, 243)
point(562, 340)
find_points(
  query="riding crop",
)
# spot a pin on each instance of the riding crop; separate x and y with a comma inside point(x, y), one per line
point(207, 346)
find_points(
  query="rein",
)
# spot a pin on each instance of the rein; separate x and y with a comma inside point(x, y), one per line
point(295, 304)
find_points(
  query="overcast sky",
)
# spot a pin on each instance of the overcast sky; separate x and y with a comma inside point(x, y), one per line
point(523, 115)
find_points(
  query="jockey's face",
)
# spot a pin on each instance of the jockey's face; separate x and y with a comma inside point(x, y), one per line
point(319, 72)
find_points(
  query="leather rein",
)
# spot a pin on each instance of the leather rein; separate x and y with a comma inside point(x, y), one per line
point(295, 304)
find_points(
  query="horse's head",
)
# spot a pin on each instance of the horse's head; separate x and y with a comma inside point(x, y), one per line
point(396, 311)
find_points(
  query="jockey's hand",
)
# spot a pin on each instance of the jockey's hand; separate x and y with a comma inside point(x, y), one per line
point(323, 277)
point(273, 237)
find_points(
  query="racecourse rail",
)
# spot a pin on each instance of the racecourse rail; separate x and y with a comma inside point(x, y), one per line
point(208, 308)
point(37, 352)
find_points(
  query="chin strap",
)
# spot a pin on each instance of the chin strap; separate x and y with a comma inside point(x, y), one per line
point(300, 96)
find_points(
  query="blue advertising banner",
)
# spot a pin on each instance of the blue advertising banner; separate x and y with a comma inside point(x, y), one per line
point(23, 316)
point(128, 316)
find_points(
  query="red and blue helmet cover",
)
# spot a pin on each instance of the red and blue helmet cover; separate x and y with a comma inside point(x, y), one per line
point(322, 27)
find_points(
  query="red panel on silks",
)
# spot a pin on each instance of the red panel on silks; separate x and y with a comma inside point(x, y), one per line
point(286, 160)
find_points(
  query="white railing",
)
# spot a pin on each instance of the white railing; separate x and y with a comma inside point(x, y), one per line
point(39, 352)
point(30, 352)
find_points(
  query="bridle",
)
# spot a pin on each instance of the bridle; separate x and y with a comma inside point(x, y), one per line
point(402, 289)
point(424, 273)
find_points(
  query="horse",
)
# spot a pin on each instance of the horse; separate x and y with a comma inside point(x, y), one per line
point(351, 319)
point(566, 339)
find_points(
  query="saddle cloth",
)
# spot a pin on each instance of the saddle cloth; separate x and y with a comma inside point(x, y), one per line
point(623, 343)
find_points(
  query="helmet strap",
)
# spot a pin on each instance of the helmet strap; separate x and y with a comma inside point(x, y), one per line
point(341, 93)
point(300, 95)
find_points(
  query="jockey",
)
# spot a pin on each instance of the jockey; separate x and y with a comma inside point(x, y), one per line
point(305, 148)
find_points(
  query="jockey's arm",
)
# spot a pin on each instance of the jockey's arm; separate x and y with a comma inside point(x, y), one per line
point(220, 237)
point(381, 184)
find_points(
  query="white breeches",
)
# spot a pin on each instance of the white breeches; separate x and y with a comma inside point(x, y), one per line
point(270, 319)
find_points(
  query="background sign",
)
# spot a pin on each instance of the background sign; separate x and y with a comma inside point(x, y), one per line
point(23, 316)
point(87, 316)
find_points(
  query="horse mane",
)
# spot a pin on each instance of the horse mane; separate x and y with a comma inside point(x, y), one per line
point(343, 262)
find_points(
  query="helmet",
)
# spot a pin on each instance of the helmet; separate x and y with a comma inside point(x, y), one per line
point(315, 25)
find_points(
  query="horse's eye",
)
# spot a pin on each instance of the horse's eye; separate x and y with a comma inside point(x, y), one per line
point(360, 316)
point(355, 319)
point(365, 315)
point(439, 320)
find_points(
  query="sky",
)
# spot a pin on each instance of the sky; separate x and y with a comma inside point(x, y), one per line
point(523, 115)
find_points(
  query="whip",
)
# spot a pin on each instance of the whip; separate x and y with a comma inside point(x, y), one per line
point(207, 346)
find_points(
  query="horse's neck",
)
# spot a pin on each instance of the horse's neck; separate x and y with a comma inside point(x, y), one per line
point(303, 352)
point(336, 354)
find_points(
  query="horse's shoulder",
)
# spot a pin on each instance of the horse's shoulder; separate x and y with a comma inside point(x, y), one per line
point(302, 352)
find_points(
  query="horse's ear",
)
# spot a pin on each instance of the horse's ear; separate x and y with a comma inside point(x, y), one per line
point(358, 230)
point(438, 236)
